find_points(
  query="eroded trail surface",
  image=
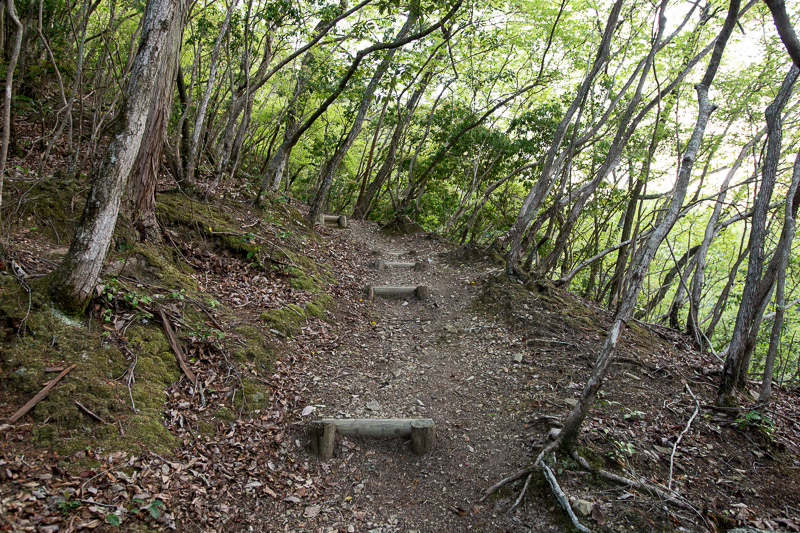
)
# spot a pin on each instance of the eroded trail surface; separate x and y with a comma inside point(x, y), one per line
point(403, 358)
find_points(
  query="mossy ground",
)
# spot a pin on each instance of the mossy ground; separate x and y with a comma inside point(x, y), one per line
point(123, 335)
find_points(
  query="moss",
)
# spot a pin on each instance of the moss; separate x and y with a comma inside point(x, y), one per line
point(288, 320)
point(304, 282)
point(315, 311)
point(257, 349)
point(225, 414)
point(52, 208)
point(253, 395)
point(164, 269)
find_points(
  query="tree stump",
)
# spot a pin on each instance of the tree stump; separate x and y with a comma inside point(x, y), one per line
point(423, 436)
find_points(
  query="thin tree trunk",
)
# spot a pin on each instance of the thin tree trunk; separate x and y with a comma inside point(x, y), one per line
point(780, 295)
point(736, 360)
point(7, 104)
point(692, 327)
point(574, 420)
point(332, 165)
point(288, 143)
point(73, 282)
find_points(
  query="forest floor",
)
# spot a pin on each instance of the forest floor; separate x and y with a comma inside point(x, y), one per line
point(493, 362)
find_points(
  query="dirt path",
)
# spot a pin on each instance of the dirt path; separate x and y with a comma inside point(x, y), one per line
point(439, 359)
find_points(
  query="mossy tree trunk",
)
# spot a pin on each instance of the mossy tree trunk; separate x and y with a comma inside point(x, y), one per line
point(75, 279)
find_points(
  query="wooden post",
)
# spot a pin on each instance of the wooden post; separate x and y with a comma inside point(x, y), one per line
point(423, 293)
point(323, 439)
point(343, 221)
point(423, 436)
point(380, 264)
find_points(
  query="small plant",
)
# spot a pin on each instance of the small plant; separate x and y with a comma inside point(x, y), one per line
point(153, 507)
point(759, 421)
point(639, 415)
point(67, 505)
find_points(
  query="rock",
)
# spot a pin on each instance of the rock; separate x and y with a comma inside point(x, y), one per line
point(517, 357)
point(373, 406)
point(553, 433)
point(572, 402)
point(449, 328)
point(582, 507)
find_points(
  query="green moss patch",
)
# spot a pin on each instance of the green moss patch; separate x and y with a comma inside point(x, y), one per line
point(288, 320)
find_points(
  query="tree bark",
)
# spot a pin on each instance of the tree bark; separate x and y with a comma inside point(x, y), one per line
point(736, 361)
point(785, 29)
point(73, 283)
point(142, 203)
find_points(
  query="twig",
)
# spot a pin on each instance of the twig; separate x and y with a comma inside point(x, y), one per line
point(88, 412)
point(39, 397)
point(562, 498)
point(680, 437)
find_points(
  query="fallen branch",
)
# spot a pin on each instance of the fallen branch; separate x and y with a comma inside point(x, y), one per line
point(562, 498)
point(678, 440)
point(40, 396)
point(176, 347)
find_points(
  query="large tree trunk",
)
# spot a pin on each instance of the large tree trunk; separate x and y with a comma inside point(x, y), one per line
point(74, 281)
point(574, 420)
point(736, 362)
point(142, 204)
point(330, 168)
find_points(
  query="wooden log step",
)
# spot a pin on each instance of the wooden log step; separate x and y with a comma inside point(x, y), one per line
point(421, 430)
point(338, 221)
point(380, 264)
point(421, 291)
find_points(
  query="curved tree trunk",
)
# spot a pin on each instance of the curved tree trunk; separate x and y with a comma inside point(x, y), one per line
point(74, 281)
point(736, 361)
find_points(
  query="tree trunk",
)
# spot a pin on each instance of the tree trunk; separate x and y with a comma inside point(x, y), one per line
point(74, 281)
point(142, 203)
point(289, 143)
point(574, 420)
point(534, 199)
point(7, 104)
point(780, 296)
point(330, 168)
point(692, 326)
point(735, 361)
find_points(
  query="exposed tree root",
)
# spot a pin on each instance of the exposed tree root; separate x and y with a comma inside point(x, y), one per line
point(562, 498)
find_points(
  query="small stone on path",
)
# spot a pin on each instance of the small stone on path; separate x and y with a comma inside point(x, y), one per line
point(583, 507)
point(373, 406)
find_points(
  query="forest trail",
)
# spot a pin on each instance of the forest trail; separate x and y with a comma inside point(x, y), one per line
point(439, 359)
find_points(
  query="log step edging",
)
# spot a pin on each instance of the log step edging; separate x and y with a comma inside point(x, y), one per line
point(420, 291)
point(380, 264)
point(422, 432)
point(333, 221)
